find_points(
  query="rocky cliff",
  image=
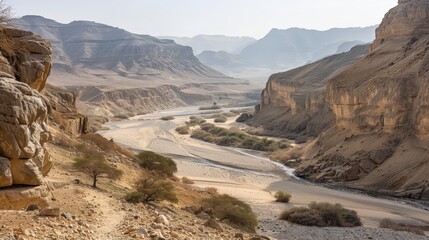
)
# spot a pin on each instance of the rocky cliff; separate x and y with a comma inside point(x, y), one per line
point(25, 63)
point(381, 109)
point(293, 102)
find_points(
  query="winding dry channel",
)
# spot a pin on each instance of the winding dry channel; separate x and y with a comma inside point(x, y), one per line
point(247, 174)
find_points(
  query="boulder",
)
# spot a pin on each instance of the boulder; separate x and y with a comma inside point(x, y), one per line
point(49, 212)
point(21, 198)
point(162, 219)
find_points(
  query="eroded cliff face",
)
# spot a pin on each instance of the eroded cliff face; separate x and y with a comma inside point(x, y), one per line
point(381, 108)
point(294, 102)
point(388, 89)
point(25, 64)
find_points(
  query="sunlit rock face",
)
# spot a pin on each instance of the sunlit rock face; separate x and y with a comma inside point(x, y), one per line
point(25, 64)
point(389, 88)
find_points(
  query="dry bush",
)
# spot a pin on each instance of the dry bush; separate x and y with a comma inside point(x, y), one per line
point(282, 196)
point(232, 210)
point(167, 118)
point(182, 130)
point(220, 119)
point(186, 180)
point(322, 215)
point(152, 189)
point(388, 223)
point(155, 162)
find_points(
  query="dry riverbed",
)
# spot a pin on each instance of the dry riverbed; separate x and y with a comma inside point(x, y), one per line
point(254, 179)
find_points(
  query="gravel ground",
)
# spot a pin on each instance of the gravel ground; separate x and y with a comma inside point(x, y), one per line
point(283, 230)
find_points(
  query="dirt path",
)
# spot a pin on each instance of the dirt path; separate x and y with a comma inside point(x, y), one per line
point(109, 214)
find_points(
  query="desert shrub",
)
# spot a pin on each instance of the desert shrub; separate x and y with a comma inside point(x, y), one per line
point(220, 119)
point(183, 130)
point(282, 196)
point(388, 223)
point(322, 215)
point(155, 162)
point(194, 121)
point(151, 189)
point(228, 141)
point(202, 135)
point(167, 118)
point(122, 116)
point(207, 126)
point(213, 107)
point(303, 216)
point(235, 211)
point(186, 180)
point(225, 137)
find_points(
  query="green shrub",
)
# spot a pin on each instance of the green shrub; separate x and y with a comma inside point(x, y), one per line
point(207, 126)
point(167, 118)
point(183, 130)
point(322, 215)
point(155, 162)
point(228, 141)
point(220, 119)
point(235, 211)
point(202, 135)
point(151, 189)
point(282, 196)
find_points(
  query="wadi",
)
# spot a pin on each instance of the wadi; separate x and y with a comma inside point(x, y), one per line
point(111, 133)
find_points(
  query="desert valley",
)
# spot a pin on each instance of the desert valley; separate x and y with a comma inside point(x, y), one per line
point(300, 134)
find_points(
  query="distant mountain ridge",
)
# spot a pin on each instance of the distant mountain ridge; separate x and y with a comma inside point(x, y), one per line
point(281, 49)
point(201, 43)
point(87, 46)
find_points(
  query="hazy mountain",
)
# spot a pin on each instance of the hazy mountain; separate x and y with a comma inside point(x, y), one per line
point(91, 47)
point(115, 71)
point(286, 49)
point(202, 43)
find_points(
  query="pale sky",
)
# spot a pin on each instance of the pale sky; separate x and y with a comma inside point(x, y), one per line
point(253, 18)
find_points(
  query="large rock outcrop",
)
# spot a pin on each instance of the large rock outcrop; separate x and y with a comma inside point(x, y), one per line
point(293, 102)
point(381, 108)
point(25, 64)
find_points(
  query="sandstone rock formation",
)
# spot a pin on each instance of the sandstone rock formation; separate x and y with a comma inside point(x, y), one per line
point(65, 114)
point(381, 108)
point(293, 102)
point(25, 64)
point(377, 135)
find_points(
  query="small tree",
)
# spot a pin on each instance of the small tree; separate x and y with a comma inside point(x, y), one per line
point(94, 164)
point(5, 14)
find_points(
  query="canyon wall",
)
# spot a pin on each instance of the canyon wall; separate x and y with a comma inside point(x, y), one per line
point(377, 135)
point(381, 106)
point(293, 102)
